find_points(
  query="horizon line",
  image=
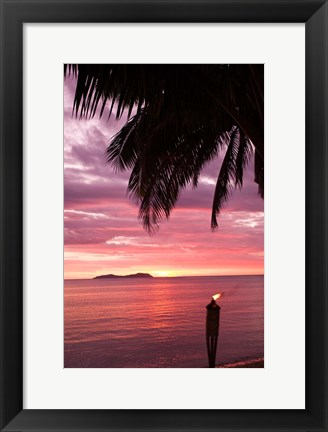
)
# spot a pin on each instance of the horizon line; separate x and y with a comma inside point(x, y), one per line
point(170, 277)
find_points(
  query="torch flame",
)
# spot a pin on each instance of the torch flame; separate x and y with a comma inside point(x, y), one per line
point(217, 296)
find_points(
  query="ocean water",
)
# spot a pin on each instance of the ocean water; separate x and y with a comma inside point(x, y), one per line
point(160, 322)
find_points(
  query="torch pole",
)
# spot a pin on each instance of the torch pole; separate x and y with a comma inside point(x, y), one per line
point(212, 331)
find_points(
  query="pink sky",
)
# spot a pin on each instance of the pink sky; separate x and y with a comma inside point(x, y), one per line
point(102, 231)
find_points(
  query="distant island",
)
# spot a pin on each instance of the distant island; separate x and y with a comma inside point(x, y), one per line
point(135, 275)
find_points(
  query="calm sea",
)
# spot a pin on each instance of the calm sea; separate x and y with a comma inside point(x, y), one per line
point(160, 322)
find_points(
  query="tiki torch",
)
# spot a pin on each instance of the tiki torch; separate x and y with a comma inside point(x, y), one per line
point(212, 329)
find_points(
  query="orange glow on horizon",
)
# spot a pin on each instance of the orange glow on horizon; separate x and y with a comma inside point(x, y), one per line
point(76, 273)
point(162, 273)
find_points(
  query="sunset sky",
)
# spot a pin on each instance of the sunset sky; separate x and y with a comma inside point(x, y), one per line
point(102, 231)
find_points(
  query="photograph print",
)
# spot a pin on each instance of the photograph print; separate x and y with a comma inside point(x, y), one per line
point(163, 215)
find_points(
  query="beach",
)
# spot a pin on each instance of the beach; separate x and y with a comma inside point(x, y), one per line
point(249, 363)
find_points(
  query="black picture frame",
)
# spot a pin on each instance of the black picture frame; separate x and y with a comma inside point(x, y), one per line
point(314, 13)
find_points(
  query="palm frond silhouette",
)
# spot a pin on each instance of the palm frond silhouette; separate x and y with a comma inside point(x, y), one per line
point(180, 117)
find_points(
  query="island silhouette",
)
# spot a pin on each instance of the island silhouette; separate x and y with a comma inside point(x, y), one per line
point(135, 275)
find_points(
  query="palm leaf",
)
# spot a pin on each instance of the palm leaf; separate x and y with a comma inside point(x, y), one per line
point(245, 151)
point(178, 120)
point(224, 184)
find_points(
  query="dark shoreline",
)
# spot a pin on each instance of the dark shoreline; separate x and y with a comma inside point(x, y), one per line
point(252, 363)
